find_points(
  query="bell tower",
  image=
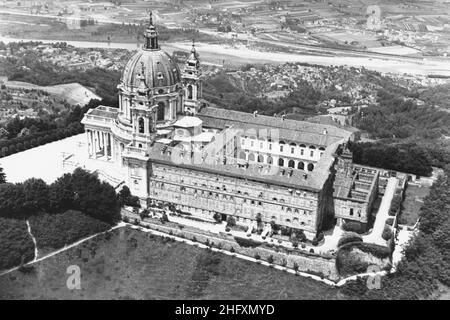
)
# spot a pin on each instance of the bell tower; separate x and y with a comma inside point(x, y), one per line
point(191, 77)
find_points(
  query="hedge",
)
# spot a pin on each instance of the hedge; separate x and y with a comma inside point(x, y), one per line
point(352, 226)
point(349, 237)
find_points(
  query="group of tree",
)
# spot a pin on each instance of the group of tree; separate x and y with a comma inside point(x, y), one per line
point(398, 115)
point(223, 91)
point(2, 176)
point(8, 147)
point(404, 157)
point(30, 68)
point(80, 190)
point(426, 262)
point(42, 131)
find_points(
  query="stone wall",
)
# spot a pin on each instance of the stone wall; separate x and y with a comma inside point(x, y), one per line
point(307, 262)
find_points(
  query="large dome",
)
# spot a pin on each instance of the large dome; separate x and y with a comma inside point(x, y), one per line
point(159, 69)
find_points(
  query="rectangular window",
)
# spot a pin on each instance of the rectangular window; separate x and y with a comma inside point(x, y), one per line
point(312, 153)
point(292, 150)
point(281, 148)
point(270, 146)
point(301, 152)
point(251, 143)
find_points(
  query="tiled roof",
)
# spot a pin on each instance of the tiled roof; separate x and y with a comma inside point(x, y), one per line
point(293, 178)
point(291, 130)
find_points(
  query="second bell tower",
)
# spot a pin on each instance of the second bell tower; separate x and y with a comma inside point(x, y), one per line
point(191, 77)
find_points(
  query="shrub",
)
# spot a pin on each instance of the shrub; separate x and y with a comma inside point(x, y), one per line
point(390, 221)
point(231, 249)
point(311, 250)
point(125, 219)
point(320, 236)
point(257, 256)
point(352, 226)
point(270, 259)
point(231, 221)
point(349, 237)
point(164, 217)
point(387, 233)
point(227, 229)
point(283, 262)
point(218, 217)
point(247, 242)
point(314, 241)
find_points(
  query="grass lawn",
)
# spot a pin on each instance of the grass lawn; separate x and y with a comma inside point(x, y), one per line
point(412, 203)
point(130, 264)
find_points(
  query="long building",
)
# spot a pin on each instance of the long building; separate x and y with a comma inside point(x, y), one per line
point(175, 149)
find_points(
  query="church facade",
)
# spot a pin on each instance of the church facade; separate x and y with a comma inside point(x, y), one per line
point(206, 161)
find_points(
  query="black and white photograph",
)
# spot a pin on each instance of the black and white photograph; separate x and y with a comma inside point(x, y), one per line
point(225, 156)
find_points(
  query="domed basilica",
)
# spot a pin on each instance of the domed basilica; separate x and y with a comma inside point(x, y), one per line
point(172, 149)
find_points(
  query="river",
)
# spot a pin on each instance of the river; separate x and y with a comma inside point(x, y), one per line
point(218, 54)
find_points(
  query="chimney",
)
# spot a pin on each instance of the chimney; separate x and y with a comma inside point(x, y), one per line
point(325, 131)
point(282, 117)
point(255, 113)
point(305, 176)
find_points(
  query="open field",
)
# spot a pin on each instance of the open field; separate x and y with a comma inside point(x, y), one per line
point(412, 203)
point(129, 264)
point(73, 93)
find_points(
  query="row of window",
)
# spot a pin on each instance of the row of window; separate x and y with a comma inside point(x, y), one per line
point(225, 197)
point(282, 146)
point(213, 182)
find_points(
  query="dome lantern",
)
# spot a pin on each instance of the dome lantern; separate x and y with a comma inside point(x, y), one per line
point(151, 36)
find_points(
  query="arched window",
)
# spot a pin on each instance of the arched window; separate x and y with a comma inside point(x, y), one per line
point(310, 167)
point(269, 160)
point(242, 155)
point(251, 157)
point(141, 125)
point(312, 147)
point(161, 107)
point(292, 145)
point(260, 158)
point(291, 164)
point(189, 89)
point(281, 162)
point(301, 166)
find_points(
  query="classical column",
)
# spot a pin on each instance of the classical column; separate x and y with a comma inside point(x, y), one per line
point(88, 143)
point(105, 148)
point(91, 144)
point(95, 143)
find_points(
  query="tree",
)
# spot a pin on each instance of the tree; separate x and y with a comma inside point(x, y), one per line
point(83, 191)
point(218, 217)
point(2, 176)
point(231, 221)
point(35, 195)
point(11, 200)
